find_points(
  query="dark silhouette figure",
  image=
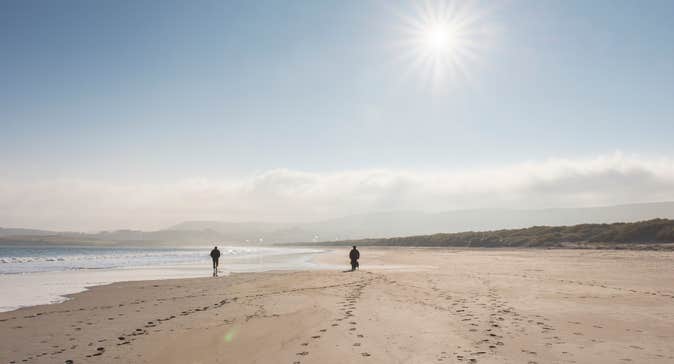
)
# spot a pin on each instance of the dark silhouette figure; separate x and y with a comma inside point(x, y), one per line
point(354, 255)
point(215, 255)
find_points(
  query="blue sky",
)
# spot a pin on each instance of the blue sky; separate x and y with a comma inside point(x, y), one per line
point(146, 92)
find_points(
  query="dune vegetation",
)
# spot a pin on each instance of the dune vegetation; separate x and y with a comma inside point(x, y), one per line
point(651, 233)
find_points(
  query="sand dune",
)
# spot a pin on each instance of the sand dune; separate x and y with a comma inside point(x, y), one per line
point(404, 306)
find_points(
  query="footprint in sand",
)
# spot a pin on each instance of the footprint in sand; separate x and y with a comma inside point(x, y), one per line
point(99, 351)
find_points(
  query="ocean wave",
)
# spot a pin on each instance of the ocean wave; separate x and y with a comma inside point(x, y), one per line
point(29, 260)
point(175, 254)
point(49, 281)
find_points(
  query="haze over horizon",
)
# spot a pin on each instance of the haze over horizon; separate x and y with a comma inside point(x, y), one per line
point(132, 115)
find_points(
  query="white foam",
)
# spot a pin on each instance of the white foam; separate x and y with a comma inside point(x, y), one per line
point(35, 288)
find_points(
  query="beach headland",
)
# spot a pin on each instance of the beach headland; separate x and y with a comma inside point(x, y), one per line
point(405, 305)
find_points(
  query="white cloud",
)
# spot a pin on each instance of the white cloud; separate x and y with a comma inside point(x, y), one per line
point(288, 195)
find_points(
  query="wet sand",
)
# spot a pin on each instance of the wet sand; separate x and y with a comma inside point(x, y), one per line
point(403, 306)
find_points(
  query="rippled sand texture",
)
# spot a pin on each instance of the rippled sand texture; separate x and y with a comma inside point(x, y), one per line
point(404, 306)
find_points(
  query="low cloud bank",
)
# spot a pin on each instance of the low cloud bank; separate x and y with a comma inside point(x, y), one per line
point(283, 195)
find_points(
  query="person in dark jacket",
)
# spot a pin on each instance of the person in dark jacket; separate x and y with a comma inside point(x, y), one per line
point(215, 255)
point(354, 255)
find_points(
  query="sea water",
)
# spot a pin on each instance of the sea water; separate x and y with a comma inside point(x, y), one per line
point(45, 274)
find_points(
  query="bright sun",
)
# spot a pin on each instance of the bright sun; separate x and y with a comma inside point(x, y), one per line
point(440, 38)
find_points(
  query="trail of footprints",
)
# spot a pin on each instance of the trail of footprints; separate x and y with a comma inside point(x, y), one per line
point(487, 318)
point(493, 327)
point(500, 320)
point(344, 321)
point(98, 347)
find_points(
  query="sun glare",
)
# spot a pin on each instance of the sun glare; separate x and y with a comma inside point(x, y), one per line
point(440, 39)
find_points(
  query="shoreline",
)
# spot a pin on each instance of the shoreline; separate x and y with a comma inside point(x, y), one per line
point(50, 287)
point(404, 305)
point(326, 259)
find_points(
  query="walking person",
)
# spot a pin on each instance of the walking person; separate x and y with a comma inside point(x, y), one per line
point(215, 255)
point(354, 255)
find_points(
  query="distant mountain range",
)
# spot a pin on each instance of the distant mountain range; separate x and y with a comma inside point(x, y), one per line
point(376, 225)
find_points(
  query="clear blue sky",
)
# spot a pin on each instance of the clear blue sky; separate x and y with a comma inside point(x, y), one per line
point(160, 91)
point(210, 87)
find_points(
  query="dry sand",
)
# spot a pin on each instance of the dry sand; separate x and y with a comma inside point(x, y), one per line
point(404, 306)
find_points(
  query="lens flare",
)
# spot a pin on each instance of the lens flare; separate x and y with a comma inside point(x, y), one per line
point(440, 39)
point(229, 336)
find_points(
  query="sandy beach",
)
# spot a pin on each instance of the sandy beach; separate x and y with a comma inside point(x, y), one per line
point(403, 306)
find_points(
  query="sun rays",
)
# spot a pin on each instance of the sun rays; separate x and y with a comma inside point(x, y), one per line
point(441, 40)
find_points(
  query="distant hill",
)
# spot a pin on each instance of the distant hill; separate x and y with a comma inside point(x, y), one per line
point(24, 232)
point(382, 225)
point(616, 235)
point(391, 224)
